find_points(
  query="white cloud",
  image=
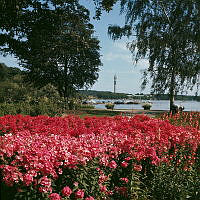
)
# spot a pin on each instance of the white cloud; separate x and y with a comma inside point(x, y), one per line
point(121, 46)
point(118, 56)
point(120, 72)
point(118, 51)
point(143, 63)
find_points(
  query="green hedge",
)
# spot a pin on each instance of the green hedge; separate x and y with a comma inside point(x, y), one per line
point(41, 108)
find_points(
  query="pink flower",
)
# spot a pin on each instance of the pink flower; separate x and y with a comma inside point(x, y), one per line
point(103, 188)
point(103, 178)
point(124, 164)
point(54, 196)
point(112, 164)
point(110, 192)
point(27, 179)
point(66, 191)
point(42, 142)
point(60, 171)
point(76, 184)
point(79, 194)
point(45, 189)
point(127, 158)
point(89, 198)
point(124, 179)
point(137, 167)
point(44, 181)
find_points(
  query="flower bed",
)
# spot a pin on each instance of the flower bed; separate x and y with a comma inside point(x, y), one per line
point(93, 158)
point(191, 119)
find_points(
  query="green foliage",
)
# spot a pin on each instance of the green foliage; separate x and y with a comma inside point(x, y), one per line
point(17, 97)
point(66, 68)
point(12, 88)
point(147, 106)
point(172, 182)
point(110, 106)
point(101, 113)
point(19, 18)
point(25, 108)
point(86, 106)
point(8, 72)
point(66, 53)
point(7, 109)
point(191, 119)
point(86, 177)
point(103, 94)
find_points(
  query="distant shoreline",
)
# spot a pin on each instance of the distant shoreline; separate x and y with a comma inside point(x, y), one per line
point(158, 105)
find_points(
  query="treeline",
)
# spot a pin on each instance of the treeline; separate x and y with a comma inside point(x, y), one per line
point(177, 97)
point(140, 96)
point(14, 90)
point(19, 97)
point(103, 94)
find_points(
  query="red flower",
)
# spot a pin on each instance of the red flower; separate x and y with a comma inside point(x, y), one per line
point(124, 179)
point(103, 188)
point(124, 164)
point(66, 191)
point(137, 167)
point(54, 196)
point(79, 194)
point(112, 164)
point(89, 198)
point(127, 158)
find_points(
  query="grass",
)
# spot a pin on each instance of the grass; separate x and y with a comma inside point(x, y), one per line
point(108, 112)
point(93, 112)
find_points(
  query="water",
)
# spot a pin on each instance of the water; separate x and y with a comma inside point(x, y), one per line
point(156, 105)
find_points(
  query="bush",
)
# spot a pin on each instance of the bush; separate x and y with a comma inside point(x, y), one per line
point(191, 119)
point(147, 106)
point(110, 106)
point(172, 182)
point(32, 109)
point(86, 106)
point(7, 109)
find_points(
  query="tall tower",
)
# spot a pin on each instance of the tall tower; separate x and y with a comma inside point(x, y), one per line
point(115, 81)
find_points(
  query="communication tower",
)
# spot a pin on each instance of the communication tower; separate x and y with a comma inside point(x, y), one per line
point(115, 81)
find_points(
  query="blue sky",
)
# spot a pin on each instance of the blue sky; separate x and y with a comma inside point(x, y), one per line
point(116, 58)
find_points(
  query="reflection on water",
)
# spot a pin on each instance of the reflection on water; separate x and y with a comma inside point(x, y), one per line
point(157, 105)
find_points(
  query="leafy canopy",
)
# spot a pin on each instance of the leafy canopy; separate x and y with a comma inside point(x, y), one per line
point(53, 40)
point(167, 33)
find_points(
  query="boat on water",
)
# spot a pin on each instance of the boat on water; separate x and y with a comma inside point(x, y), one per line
point(132, 102)
point(136, 102)
point(89, 102)
point(126, 102)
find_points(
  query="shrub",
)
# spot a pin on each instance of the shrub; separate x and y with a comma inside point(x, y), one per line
point(7, 109)
point(110, 105)
point(86, 106)
point(147, 106)
point(191, 119)
point(174, 182)
point(33, 109)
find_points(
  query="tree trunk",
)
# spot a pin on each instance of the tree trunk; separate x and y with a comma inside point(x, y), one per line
point(172, 90)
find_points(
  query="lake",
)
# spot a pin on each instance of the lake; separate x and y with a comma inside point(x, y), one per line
point(156, 105)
